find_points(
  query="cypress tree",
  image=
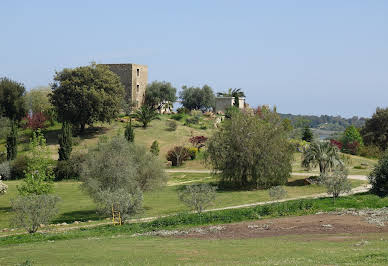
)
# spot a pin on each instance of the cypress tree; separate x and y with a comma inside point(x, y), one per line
point(236, 101)
point(307, 134)
point(155, 148)
point(65, 142)
point(129, 133)
point(12, 142)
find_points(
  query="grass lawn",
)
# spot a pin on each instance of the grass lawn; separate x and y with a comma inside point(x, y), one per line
point(77, 206)
point(126, 250)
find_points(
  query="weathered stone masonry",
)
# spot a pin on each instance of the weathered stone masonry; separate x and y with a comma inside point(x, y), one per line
point(134, 78)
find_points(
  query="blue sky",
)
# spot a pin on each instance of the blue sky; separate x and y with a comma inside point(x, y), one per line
point(305, 57)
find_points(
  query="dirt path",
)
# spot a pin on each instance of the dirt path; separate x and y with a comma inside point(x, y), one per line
point(358, 177)
point(308, 227)
point(359, 189)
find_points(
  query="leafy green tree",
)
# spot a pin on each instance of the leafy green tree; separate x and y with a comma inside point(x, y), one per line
point(307, 134)
point(65, 142)
point(155, 148)
point(351, 140)
point(38, 101)
point(39, 174)
point(198, 197)
point(12, 142)
point(145, 115)
point(12, 99)
point(159, 94)
point(87, 94)
point(129, 133)
point(251, 150)
point(322, 154)
point(375, 131)
point(379, 176)
point(197, 98)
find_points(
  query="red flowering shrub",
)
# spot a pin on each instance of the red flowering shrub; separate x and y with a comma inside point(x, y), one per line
point(351, 147)
point(198, 141)
point(35, 121)
point(336, 143)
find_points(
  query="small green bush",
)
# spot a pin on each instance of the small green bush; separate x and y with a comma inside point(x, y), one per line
point(370, 151)
point(70, 169)
point(129, 133)
point(192, 120)
point(178, 116)
point(193, 153)
point(379, 176)
point(154, 149)
point(277, 193)
point(19, 166)
point(183, 110)
point(171, 125)
point(76, 141)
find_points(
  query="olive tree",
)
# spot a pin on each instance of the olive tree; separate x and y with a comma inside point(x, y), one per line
point(251, 150)
point(159, 94)
point(119, 171)
point(337, 182)
point(198, 196)
point(197, 98)
point(33, 210)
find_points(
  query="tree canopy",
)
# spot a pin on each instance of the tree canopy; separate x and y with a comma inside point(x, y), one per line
point(87, 94)
point(197, 98)
point(251, 150)
point(375, 131)
point(159, 93)
point(12, 99)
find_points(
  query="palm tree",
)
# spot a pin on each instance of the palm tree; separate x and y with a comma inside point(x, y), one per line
point(322, 154)
point(145, 115)
point(232, 93)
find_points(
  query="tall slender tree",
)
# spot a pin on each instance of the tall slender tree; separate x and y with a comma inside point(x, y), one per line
point(12, 142)
point(129, 133)
point(65, 142)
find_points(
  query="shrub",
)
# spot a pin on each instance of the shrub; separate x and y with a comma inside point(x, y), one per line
point(198, 141)
point(198, 197)
point(3, 187)
point(379, 176)
point(19, 166)
point(336, 143)
point(5, 170)
point(76, 141)
point(129, 133)
point(277, 193)
point(178, 116)
point(171, 125)
point(370, 151)
point(183, 110)
point(33, 210)
point(193, 153)
point(192, 120)
point(336, 183)
point(178, 155)
point(39, 174)
point(154, 149)
point(35, 121)
point(70, 169)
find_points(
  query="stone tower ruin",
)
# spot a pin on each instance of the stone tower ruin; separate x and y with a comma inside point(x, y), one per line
point(134, 78)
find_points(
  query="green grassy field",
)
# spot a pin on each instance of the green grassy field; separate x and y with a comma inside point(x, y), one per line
point(126, 250)
point(75, 205)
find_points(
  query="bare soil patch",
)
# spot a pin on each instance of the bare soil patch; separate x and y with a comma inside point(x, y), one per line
point(327, 225)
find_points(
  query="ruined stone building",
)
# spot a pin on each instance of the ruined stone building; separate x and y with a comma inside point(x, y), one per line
point(223, 103)
point(134, 78)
